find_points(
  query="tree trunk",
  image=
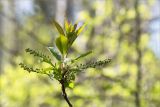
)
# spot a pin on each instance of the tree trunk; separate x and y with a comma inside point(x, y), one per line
point(48, 8)
point(7, 30)
point(139, 55)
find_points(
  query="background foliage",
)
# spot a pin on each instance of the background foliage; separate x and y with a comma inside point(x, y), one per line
point(119, 29)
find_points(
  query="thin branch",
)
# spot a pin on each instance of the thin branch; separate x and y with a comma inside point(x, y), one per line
point(62, 81)
point(65, 94)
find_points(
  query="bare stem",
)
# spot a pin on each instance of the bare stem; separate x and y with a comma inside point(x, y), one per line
point(65, 94)
point(62, 81)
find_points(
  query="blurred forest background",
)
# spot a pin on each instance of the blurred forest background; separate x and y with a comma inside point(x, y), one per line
point(128, 31)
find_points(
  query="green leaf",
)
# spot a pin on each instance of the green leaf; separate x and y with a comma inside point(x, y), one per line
point(74, 27)
point(82, 55)
point(62, 44)
point(55, 53)
point(80, 29)
point(67, 25)
point(48, 69)
point(72, 37)
point(74, 34)
point(59, 28)
point(71, 85)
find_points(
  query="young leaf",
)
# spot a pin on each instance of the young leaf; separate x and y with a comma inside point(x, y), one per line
point(75, 26)
point(66, 24)
point(73, 36)
point(71, 85)
point(62, 44)
point(82, 55)
point(74, 33)
point(59, 28)
point(48, 69)
point(55, 53)
point(80, 29)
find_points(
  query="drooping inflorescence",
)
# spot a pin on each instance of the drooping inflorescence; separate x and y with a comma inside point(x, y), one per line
point(93, 64)
point(43, 57)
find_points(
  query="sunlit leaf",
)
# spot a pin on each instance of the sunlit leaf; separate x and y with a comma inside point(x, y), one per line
point(71, 85)
point(80, 29)
point(62, 44)
point(66, 24)
point(48, 69)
